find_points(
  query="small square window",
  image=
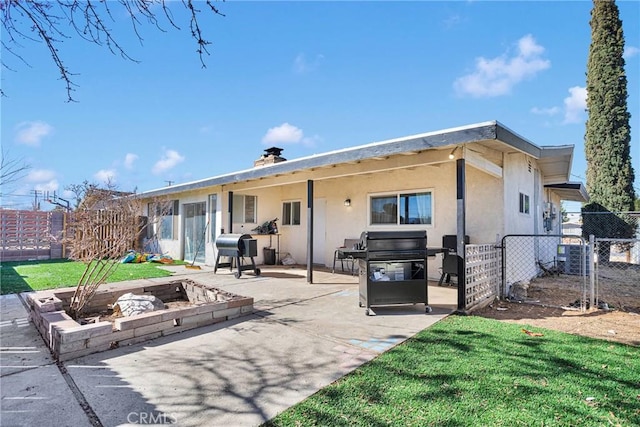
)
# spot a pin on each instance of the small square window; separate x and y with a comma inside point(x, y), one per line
point(291, 213)
point(244, 209)
point(524, 203)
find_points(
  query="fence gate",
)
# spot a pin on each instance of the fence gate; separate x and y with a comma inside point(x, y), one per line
point(545, 269)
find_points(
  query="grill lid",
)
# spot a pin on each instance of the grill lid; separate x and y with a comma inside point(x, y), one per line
point(401, 234)
point(231, 241)
point(394, 241)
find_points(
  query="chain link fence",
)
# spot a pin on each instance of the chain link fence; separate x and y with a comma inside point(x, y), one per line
point(615, 243)
point(593, 264)
point(548, 270)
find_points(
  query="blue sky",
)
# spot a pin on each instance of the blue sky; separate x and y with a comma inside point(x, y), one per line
point(309, 77)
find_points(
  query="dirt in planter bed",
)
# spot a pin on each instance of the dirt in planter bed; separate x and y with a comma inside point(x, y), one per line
point(109, 316)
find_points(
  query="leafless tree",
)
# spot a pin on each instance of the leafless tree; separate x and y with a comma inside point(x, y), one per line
point(79, 191)
point(11, 169)
point(104, 226)
point(52, 21)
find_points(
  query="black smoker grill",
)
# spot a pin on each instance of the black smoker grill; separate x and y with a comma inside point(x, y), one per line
point(237, 247)
point(393, 269)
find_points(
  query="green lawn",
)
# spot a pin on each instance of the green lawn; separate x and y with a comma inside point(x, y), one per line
point(472, 371)
point(38, 275)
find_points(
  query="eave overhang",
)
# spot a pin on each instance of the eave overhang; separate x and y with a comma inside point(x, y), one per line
point(490, 133)
point(570, 191)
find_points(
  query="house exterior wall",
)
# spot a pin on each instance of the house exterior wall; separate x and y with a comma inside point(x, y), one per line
point(485, 219)
point(484, 215)
point(492, 205)
point(520, 177)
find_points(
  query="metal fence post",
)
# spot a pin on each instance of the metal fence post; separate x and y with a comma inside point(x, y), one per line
point(592, 270)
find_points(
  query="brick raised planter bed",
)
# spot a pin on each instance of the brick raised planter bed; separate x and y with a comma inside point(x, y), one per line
point(69, 339)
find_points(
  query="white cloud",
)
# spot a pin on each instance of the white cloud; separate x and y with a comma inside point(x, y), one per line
point(630, 52)
point(301, 65)
point(311, 141)
point(129, 160)
point(68, 194)
point(575, 105)
point(551, 111)
point(497, 76)
point(40, 175)
point(169, 160)
point(31, 133)
point(105, 175)
point(43, 180)
point(283, 134)
point(49, 186)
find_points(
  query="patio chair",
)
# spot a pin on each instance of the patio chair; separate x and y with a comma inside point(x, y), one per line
point(341, 254)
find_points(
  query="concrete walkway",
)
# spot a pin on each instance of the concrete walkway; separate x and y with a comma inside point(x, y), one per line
point(243, 372)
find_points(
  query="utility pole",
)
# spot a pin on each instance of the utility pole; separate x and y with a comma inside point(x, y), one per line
point(169, 183)
point(36, 202)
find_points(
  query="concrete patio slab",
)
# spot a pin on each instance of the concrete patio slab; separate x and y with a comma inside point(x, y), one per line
point(21, 346)
point(243, 372)
point(31, 384)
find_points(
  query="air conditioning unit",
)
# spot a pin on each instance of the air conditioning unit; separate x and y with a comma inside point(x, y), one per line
point(572, 258)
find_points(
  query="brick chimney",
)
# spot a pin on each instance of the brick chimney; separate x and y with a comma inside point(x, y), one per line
point(271, 156)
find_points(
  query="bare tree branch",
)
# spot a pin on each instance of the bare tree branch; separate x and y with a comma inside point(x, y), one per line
point(11, 169)
point(49, 22)
point(103, 227)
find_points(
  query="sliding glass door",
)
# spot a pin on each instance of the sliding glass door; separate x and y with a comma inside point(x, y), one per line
point(195, 215)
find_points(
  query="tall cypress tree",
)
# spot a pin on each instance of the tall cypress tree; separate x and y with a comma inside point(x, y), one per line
point(610, 174)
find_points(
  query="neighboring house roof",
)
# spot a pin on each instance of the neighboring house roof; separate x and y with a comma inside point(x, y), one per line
point(555, 161)
point(99, 198)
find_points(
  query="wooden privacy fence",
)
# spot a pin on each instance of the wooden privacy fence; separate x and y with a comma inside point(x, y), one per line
point(31, 235)
point(99, 234)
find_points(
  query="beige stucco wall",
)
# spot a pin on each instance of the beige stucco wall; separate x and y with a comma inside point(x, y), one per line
point(485, 214)
point(491, 205)
point(519, 172)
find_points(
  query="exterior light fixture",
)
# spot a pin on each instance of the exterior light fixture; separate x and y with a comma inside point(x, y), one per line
point(347, 202)
point(452, 153)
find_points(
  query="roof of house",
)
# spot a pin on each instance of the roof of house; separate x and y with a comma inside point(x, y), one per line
point(554, 161)
point(573, 191)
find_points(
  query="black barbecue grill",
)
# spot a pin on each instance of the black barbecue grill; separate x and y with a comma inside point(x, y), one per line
point(237, 247)
point(393, 269)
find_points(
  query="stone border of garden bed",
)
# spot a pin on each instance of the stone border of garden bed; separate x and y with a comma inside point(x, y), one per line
point(69, 339)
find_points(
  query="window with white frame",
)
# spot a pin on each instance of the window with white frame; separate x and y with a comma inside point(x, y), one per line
point(405, 208)
point(524, 203)
point(244, 209)
point(163, 219)
point(291, 213)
